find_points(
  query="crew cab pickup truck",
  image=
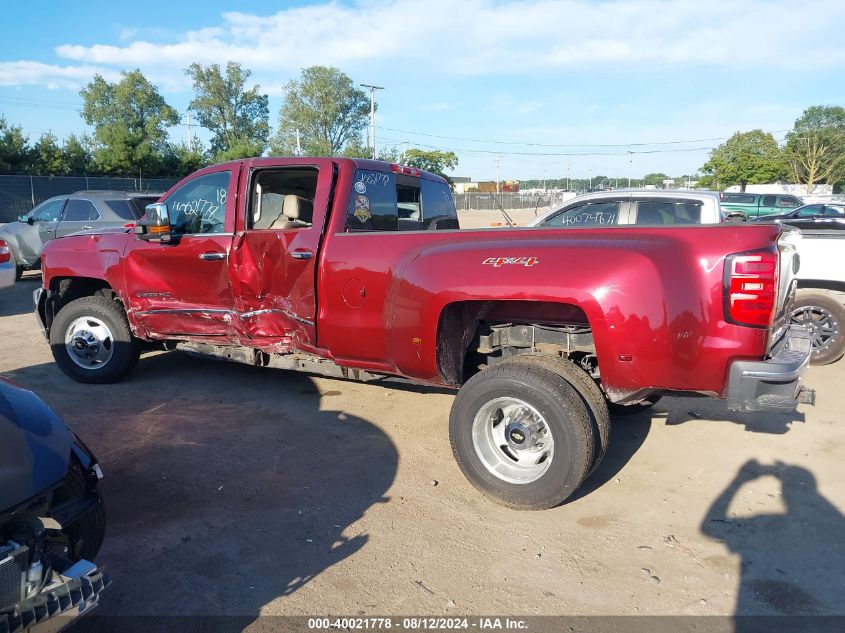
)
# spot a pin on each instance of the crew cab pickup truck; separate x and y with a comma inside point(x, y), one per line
point(357, 269)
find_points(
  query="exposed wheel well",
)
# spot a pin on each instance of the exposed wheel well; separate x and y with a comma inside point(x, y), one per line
point(63, 290)
point(461, 351)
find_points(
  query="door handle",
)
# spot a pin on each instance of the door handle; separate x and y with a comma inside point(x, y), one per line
point(211, 257)
point(301, 254)
point(87, 228)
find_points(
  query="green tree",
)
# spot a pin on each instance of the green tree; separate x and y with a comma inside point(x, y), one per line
point(77, 154)
point(326, 108)
point(654, 179)
point(750, 157)
point(815, 148)
point(48, 159)
point(182, 160)
point(14, 149)
point(435, 161)
point(237, 118)
point(130, 120)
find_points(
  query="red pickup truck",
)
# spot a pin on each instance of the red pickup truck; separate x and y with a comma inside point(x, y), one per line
point(357, 269)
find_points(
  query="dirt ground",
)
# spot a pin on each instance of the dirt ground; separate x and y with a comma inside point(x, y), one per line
point(235, 490)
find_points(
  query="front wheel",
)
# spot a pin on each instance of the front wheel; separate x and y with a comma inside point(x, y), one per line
point(824, 316)
point(91, 341)
point(522, 435)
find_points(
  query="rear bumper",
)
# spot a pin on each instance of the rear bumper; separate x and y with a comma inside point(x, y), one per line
point(773, 384)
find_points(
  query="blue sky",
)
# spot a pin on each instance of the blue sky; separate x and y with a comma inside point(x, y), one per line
point(617, 88)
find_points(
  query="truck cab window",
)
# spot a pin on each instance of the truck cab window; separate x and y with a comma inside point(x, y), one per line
point(374, 202)
point(383, 201)
point(199, 206)
point(282, 199)
point(438, 205)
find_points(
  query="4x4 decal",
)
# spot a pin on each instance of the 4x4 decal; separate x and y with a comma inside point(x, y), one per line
point(498, 262)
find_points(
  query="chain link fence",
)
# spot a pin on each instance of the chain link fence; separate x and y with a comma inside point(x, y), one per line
point(19, 194)
point(508, 201)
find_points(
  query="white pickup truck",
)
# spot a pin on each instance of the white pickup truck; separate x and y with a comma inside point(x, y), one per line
point(821, 292)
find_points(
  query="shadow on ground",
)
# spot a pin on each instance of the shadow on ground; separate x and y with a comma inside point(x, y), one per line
point(226, 486)
point(792, 560)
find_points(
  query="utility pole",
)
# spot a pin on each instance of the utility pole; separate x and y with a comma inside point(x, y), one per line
point(373, 113)
point(569, 175)
point(190, 127)
point(298, 146)
point(498, 160)
point(630, 167)
point(591, 177)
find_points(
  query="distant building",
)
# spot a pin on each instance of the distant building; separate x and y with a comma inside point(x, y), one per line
point(486, 186)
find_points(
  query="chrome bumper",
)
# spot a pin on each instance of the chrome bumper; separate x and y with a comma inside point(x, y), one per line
point(773, 384)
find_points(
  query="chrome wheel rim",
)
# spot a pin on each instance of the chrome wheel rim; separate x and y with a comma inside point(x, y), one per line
point(823, 326)
point(512, 440)
point(89, 342)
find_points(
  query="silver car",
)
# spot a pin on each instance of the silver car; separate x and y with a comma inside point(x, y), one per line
point(7, 266)
point(73, 213)
point(641, 207)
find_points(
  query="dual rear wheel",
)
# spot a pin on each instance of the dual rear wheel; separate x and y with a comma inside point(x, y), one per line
point(528, 431)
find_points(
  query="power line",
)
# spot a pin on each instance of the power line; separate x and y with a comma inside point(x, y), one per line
point(498, 152)
point(532, 144)
point(42, 104)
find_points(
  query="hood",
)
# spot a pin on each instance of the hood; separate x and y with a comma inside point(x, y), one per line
point(35, 445)
point(14, 228)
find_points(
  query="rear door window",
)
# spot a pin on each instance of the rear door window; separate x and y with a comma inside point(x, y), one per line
point(768, 201)
point(373, 202)
point(587, 214)
point(80, 211)
point(739, 198)
point(668, 212)
point(125, 209)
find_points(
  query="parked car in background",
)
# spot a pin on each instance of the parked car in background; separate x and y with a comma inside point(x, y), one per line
point(753, 205)
point(820, 301)
point(811, 217)
point(7, 266)
point(52, 520)
point(636, 207)
point(72, 213)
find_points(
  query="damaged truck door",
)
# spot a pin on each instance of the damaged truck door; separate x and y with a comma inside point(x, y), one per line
point(178, 282)
point(275, 250)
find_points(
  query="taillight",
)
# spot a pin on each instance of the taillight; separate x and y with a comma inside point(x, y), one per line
point(751, 288)
point(5, 253)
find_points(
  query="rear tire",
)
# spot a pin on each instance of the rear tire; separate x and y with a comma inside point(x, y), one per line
point(522, 435)
point(91, 341)
point(825, 317)
point(590, 393)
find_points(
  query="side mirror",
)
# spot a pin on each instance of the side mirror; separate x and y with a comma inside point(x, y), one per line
point(154, 226)
point(25, 218)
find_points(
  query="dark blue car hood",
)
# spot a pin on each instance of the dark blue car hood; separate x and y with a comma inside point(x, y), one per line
point(35, 446)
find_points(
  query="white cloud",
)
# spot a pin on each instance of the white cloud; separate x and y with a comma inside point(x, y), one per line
point(52, 76)
point(476, 37)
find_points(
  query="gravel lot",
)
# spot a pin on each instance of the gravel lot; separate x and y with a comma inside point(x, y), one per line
point(235, 490)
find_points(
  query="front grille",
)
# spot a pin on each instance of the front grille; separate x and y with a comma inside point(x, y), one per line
point(11, 578)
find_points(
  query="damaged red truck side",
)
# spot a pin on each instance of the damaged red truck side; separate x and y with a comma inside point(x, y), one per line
point(357, 269)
